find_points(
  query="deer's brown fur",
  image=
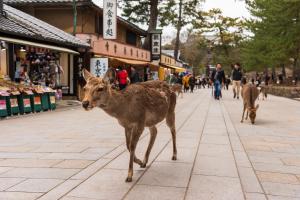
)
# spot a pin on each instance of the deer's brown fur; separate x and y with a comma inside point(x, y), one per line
point(138, 106)
point(250, 93)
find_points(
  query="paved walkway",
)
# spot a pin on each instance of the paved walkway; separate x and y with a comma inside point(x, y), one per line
point(78, 155)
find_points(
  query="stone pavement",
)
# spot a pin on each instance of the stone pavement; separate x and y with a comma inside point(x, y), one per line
point(78, 155)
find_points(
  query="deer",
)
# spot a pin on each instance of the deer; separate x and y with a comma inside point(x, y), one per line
point(138, 106)
point(249, 94)
point(177, 88)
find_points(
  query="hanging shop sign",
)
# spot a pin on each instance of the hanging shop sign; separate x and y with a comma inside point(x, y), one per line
point(110, 19)
point(99, 66)
point(155, 44)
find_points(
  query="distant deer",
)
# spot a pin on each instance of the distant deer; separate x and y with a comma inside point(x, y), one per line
point(138, 106)
point(177, 88)
point(250, 94)
point(263, 91)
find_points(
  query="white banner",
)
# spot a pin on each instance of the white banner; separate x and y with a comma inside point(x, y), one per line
point(99, 66)
point(110, 19)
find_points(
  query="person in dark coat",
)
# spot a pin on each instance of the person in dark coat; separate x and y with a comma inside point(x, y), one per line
point(134, 76)
point(192, 82)
point(218, 79)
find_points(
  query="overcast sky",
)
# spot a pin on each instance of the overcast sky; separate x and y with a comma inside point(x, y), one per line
point(231, 8)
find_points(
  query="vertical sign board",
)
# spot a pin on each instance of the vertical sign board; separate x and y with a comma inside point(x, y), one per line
point(155, 45)
point(110, 19)
point(99, 66)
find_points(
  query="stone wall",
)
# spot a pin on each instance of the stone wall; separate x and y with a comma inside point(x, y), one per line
point(284, 91)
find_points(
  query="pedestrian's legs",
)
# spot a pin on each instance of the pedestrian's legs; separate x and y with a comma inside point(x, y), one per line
point(217, 89)
point(234, 85)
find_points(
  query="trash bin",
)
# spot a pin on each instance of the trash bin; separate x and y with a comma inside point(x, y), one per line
point(3, 105)
point(36, 103)
point(13, 105)
point(25, 100)
point(45, 101)
point(52, 101)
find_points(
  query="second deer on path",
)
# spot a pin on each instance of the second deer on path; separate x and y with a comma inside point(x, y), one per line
point(136, 107)
point(249, 93)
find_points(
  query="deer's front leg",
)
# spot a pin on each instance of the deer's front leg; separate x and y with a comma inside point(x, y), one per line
point(128, 137)
point(135, 135)
point(243, 113)
point(153, 133)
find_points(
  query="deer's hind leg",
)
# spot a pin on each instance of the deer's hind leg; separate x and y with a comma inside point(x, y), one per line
point(153, 133)
point(171, 124)
point(128, 135)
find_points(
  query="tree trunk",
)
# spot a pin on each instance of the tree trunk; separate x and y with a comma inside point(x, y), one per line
point(152, 22)
point(283, 71)
point(295, 67)
point(179, 26)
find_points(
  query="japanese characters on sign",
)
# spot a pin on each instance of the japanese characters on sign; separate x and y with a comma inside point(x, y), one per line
point(99, 66)
point(156, 45)
point(110, 19)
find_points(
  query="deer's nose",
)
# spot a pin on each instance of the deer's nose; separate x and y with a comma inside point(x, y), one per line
point(85, 104)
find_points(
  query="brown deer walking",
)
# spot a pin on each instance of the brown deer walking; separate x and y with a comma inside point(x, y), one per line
point(138, 106)
point(249, 93)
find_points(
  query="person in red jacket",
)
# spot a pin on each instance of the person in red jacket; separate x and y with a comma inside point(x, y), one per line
point(122, 78)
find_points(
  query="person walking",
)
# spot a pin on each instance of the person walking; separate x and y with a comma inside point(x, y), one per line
point(122, 78)
point(192, 82)
point(236, 80)
point(185, 82)
point(218, 79)
point(134, 76)
point(227, 82)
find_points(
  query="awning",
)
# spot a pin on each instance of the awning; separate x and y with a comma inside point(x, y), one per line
point(130, 62)
point(173, 67)
point(35, 44)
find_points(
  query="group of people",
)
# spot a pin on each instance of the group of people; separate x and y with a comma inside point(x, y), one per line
point(123, 79)
point(219, 79)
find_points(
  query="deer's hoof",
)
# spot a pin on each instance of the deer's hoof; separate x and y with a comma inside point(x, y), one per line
point(128, 180)
point(242, 121)
point(143, 165)
point(174, 158)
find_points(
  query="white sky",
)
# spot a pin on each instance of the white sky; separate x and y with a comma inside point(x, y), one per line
point(231, 8)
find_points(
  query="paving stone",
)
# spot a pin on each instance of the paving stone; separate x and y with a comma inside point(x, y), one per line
point(74, 156)
point(265, 159)
point(147, 192)
point(249, 180)
point(6, 183)
point(217, 166)
point(291, 161)
point(35, 185)
point(105, 184)
point(19, 195)
point(186, 155)
point(276, 168)
point(212, 139)
point(214, 188)
point(280, 189)
point(4, 169)
point(51, 173)
point(215, 150)
point(60, 190)
point(255, 196)
point(167, 174)
point(277, 177)
point(242, 159)
point(28, 163)
point(271, 197)
point(73, 164)
point(91, 169)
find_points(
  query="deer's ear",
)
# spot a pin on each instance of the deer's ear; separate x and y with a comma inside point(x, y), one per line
point(257, 106)
point(109, 76)
point(86, 74)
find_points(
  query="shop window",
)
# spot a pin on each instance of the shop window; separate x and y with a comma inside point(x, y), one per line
point(131, 38)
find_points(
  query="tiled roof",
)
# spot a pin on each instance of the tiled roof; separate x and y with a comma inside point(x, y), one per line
point(69, 2)
point(19, 23)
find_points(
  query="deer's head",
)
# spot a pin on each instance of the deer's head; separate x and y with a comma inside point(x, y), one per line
point(252, 113)
point(96, 91)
